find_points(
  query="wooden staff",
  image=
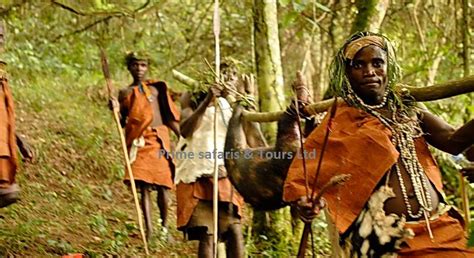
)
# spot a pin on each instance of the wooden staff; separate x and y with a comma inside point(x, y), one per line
point(105, 70)
point(215, 199)
point(307, 226)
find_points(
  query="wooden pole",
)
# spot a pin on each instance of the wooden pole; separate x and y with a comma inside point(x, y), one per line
point(420, 94)
point(307, 226)
point(105, 69)
point(430, 93)
point(215, 199)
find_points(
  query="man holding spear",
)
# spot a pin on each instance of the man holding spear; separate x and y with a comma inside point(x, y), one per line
point(147, 114)
point(393, 204)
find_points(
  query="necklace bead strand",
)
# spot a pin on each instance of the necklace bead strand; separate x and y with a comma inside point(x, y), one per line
point(403, 133)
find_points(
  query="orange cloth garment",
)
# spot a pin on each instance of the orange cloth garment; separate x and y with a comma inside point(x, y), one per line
point(140, 114)
point(188, 196)
point(150, 166)
point(449, 240)
point(8, 147)
point(359, 145)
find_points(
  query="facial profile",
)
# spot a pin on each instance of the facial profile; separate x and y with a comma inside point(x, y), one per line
point(367, 74)
point(229, 76)
point(138, 69)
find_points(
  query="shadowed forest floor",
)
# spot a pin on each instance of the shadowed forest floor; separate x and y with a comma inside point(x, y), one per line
point(73, 199)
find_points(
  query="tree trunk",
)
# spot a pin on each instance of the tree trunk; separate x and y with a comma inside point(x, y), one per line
point(271, 98)
point(268, 60)
point(370, 15)
point(465, 37)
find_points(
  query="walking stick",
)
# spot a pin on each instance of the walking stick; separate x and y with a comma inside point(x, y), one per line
point(105, 70)
point(215, 199)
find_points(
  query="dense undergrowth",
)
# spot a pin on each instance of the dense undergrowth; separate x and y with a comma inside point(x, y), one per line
point(73, 199)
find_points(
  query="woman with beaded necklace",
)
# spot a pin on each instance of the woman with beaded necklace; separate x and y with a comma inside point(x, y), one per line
point(393, 204)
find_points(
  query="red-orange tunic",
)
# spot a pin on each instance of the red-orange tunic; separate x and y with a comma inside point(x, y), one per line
point(359, 145)
point(188, 196)
point(150, 166)
point(8, 147)
point(449, 240)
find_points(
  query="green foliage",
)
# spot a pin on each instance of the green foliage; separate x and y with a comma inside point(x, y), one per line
point(471, 237)
point(283, 240)
point(73, 199)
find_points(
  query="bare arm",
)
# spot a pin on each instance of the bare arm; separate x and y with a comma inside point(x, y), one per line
point(123, 109)
point(191, 119)
point(444, 137)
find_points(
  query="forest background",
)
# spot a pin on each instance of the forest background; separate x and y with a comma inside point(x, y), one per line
point(73, 199)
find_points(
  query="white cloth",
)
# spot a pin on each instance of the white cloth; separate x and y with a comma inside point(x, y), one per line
point(136, 144)
point(194, 155)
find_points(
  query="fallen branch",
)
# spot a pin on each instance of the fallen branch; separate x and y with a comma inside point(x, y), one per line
point(184, 79)
point(442, 90)
point(430, 93)
point(435, 92)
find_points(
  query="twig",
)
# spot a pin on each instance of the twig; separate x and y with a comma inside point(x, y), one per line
point(105, 19)
point(68, 8)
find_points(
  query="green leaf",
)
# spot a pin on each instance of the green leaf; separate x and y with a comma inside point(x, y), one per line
point(470, 242)
point(322, 7)
point(288, 19)
point(284, 2)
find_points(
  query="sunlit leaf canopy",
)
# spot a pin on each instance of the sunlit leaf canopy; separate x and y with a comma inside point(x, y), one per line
point(63, 34)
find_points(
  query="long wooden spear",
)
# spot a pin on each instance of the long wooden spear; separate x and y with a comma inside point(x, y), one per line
point(307, 226)
point(105, 70)
point(215, 199)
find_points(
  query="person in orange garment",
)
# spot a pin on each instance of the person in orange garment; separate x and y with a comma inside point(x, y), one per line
point(147, 114)
point(393, 204)
point(10, 142)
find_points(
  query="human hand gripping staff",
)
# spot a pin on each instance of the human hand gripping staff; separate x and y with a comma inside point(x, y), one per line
point(307, 205)
point(115, 109)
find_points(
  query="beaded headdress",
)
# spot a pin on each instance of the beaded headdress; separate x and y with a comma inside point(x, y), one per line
point(340, 85)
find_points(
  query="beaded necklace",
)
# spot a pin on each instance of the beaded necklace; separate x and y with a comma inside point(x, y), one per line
point(143, 88)
point(404, 130)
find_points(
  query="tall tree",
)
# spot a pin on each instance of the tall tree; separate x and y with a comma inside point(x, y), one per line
point(268, 60)
point(465, 36)
point(370, 15)
point(271, 98)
